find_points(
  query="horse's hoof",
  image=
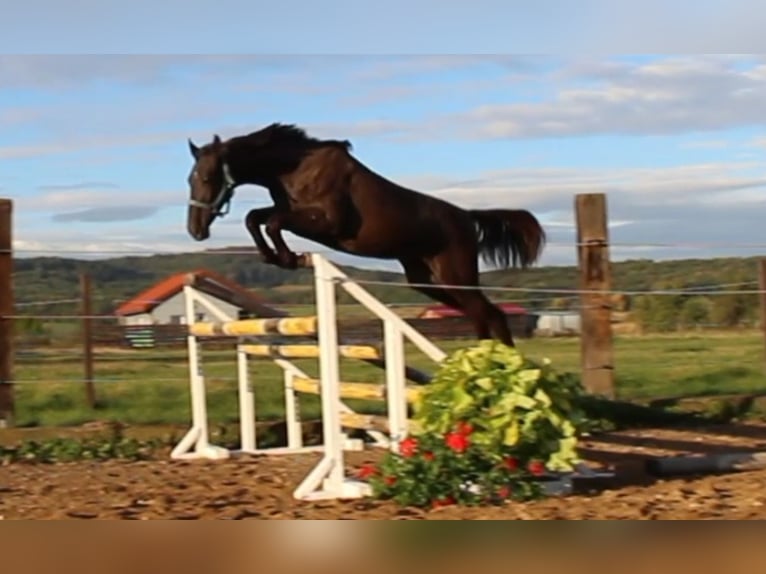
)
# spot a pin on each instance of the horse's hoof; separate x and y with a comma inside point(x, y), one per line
point(289, 261)
point(304, 260)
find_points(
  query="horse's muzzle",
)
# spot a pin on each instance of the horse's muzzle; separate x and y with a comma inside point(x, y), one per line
point(199, 233)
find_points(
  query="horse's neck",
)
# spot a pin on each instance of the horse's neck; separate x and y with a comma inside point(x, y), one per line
point(246, 171)
point(242, 171)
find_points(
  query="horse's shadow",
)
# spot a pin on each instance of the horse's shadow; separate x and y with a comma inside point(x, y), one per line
point(630, 455)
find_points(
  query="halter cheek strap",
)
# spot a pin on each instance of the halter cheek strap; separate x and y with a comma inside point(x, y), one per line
point(221, 204)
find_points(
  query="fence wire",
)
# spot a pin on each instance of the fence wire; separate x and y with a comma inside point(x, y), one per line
point(686, 245)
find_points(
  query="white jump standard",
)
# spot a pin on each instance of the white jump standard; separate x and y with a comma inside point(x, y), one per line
point(327, 480)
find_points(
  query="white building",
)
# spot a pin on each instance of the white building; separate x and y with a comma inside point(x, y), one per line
point(558, 323)
point(163, 303)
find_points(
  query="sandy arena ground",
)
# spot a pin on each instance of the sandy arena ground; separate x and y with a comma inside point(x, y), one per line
point(260, 487)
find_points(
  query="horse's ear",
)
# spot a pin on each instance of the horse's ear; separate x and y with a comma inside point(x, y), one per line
point(216, 141)
point(193, 149)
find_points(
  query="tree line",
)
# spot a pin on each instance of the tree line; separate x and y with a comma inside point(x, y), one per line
point(120, 278)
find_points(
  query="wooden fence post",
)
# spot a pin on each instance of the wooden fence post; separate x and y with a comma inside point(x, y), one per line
point(596, 283)
point(87, 338)
point(762, 297)
point(7, 403)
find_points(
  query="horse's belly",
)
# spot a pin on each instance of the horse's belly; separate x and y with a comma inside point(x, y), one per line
point(382, 246)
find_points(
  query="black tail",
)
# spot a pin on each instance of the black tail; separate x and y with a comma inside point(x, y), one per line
point(508, 236)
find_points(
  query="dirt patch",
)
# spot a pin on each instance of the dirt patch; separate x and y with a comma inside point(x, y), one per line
point(261, 487)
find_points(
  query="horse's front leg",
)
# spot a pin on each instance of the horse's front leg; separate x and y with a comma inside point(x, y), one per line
point(253, 221)
point(310, 223)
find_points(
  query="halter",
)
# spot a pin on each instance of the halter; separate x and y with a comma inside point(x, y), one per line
point(221, 204)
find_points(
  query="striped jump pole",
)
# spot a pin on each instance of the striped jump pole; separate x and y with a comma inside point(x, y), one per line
point(293, 326)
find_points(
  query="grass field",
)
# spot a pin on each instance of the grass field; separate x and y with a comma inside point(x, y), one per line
point(151, 387)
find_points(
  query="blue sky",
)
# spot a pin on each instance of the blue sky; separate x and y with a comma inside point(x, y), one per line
point(391, 27)
point(93, 147)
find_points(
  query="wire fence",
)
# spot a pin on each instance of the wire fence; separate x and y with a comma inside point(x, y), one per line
point(569, 293)
point(563, 291)
point(541, 297)
point(686, 245)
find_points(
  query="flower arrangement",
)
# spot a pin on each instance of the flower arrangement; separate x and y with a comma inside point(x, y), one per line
point(487, 427)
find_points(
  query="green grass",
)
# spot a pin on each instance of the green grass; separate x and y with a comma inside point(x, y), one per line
point(153, 387)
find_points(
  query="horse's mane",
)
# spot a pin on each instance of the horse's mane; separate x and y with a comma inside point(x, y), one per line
point(291, 134)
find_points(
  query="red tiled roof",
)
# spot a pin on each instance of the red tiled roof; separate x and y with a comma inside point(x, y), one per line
point(158, 293)
point(434, 311)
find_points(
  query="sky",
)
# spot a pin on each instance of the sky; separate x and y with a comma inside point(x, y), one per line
point(93, 147)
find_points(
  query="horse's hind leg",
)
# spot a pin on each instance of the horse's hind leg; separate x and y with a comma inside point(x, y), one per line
point(460, 268)
point(417, 271)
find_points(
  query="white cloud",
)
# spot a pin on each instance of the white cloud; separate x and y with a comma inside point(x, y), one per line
point(108, 214)
point(63, 146)
point(699, 210)
point(672, 95)
point(88, 204)
point(78, 186)
point(539, 186)
point(99, 142)
point(580, 97)
point(706, 144)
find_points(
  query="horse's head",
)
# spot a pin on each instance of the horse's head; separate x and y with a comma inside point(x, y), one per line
point(211, 187)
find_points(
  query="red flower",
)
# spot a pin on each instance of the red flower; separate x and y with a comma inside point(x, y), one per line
point(366, 471)
point(408, 447)
point(442, 502)
point(429, 456)
point(390, 480)
point(504, 492)
point(511, 463)
point(464, 428)
point(457, 442)
point(536, 468)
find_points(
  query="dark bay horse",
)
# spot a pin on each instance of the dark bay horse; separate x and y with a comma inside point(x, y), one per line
point(323, 193)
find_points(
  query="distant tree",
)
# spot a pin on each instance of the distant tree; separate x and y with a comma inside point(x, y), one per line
point(561, 303)
point(729, 310)
point(620, 302)
point(656, 313)
point(694, 311)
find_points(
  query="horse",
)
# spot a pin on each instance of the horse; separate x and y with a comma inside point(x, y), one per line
point(321, 192)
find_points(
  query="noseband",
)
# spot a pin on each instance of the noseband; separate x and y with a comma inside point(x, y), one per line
point(221, 204)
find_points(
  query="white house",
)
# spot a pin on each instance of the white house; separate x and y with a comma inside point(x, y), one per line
point(163, 303)
point(558, 323)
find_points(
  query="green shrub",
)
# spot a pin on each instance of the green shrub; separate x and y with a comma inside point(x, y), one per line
point(486, 428)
